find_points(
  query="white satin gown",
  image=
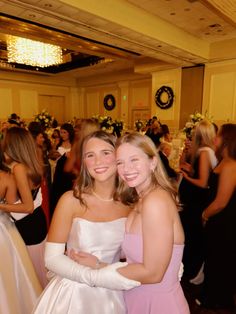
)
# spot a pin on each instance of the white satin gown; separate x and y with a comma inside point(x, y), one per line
point(62, 295)
point(19, 285)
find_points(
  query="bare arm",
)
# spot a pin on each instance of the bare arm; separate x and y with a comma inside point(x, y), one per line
point(22, 183)
point(62, 218)
point(158, 239)
point(204, 169)
point(225, 190)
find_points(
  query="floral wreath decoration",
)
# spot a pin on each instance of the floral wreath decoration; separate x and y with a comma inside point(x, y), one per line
point(158, 97)
point(109, 102)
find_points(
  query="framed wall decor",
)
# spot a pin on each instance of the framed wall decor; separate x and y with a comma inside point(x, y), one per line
point(109, 102)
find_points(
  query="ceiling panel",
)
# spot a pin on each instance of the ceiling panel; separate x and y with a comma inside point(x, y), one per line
point(211, 20)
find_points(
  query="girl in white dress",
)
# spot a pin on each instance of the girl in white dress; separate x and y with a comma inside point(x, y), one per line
point(92, 220)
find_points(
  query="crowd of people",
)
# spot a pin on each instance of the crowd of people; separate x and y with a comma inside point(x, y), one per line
point(92, 223)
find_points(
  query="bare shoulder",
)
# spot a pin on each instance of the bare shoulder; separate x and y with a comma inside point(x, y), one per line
point(229, 168)
point(16, 166)
point(18, 169)
point(157, 195)
point(68, 202)
point(230, 164)
point(6, 177)
point(158, 199)
point(9, 178)
point(69, 198)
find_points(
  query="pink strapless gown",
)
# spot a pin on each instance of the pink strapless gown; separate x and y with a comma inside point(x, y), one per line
point(166, 297)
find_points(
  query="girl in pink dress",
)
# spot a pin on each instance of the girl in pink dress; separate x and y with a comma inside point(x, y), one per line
point(154, 238)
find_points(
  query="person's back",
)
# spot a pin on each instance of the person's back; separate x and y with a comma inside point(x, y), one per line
point(21, 157)
point(16, 268)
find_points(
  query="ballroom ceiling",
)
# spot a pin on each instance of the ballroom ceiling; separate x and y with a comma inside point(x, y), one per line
point(122, 35)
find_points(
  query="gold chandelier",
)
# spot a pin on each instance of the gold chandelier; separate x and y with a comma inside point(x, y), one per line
point(31, 52)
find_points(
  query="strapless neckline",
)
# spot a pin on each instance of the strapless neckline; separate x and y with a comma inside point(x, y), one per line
point(98, 222)
point(140, 235)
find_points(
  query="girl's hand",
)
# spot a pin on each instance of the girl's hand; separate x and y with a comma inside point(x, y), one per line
point(186, 167)
point(85, 259)
point(184, 174)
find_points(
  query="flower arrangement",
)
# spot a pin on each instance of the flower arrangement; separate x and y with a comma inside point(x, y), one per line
point(107, 124)
point(44, 118)
point(139, 124)
point(194, 119)
point(118, 126)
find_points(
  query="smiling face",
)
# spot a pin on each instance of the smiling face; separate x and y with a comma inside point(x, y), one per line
point(99, 159)
point(134, 166)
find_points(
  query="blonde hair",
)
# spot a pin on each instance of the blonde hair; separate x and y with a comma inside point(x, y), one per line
point(129, 195)
point(204, 135)
point(20, 147)
point(84, 183)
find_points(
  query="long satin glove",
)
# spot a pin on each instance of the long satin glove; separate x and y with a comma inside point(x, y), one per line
point(106, 277)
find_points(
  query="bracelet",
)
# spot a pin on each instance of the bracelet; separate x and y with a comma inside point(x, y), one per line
point(204, 216)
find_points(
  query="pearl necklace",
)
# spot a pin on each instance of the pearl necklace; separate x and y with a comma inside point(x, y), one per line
point(101, 198)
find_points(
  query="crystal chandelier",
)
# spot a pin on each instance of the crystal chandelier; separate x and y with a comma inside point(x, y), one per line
point(31, 52)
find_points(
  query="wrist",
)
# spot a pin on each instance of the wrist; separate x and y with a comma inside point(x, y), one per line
point(98, 264)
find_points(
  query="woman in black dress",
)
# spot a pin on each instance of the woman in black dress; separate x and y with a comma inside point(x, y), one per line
point(193, 192)
point(219, 219)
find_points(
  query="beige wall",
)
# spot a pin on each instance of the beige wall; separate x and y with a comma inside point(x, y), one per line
point(219, 97)
point(131, 97)
point(134, 96)
point(27, 95)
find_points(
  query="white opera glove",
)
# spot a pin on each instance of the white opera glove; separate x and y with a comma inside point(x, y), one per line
point(107, 277)
point(181, 271)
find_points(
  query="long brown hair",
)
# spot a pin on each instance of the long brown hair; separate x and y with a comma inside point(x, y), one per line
point(228, 134)
point(20, 147)
point(84, 183)
point(129, 195)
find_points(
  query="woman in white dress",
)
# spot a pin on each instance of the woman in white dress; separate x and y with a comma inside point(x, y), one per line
point(92, 220)
point(19, 285)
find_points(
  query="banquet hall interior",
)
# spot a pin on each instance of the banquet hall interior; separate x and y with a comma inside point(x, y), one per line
point(126, 59)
